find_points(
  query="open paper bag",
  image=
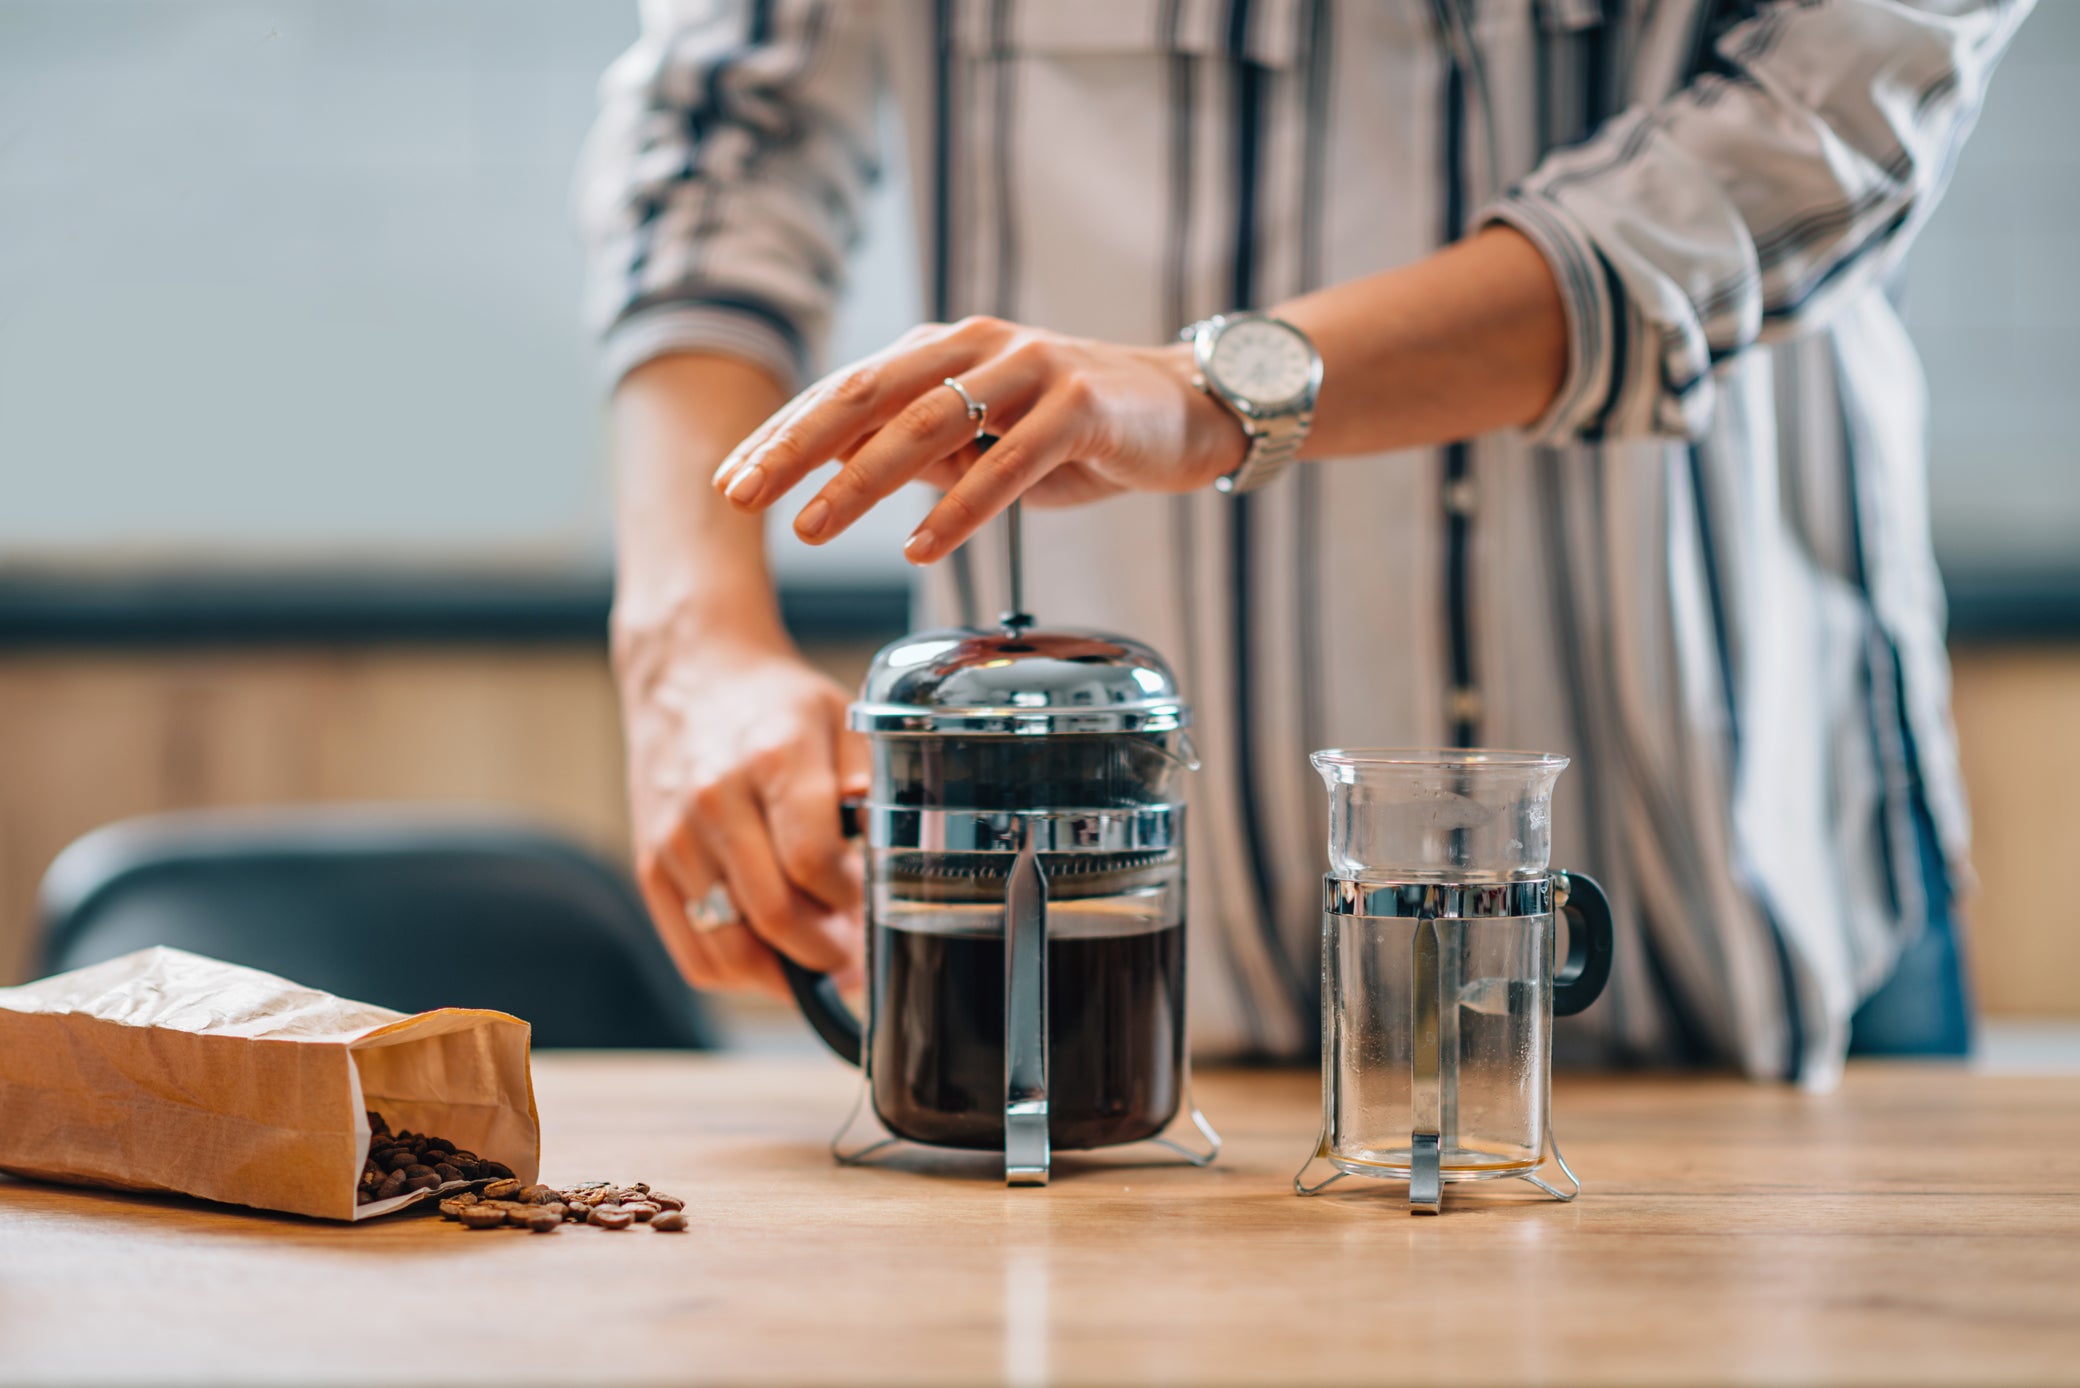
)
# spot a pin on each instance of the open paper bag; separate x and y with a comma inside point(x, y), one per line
point(168, 1071)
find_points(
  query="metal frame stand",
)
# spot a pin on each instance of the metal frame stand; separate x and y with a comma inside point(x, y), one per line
point(864, 1130)
point(1321, 1154)
point(1439, 912)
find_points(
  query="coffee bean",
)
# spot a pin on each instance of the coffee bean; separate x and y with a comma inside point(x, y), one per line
point(406, 1162)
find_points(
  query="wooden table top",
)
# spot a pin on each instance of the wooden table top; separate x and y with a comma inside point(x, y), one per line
point(1920, 1226)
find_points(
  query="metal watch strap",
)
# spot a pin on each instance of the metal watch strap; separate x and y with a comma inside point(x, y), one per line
point(1273, 445)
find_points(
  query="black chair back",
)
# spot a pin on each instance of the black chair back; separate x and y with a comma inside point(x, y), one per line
point(400, 907)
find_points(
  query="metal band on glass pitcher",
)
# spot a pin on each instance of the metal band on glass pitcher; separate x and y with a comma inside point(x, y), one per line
point(1382, 900)
point(1144, 829)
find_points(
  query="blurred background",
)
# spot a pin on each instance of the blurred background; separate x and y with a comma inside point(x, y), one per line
point(302, 482)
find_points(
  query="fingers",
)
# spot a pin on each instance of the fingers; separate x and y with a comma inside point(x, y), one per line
point(832, 416)
point(930, 428)
point(1036, 446)
point(802, 816)
point(854, 763)
point(716, 959)
point(733, 828)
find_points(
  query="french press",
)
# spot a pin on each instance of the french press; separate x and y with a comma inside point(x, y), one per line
point(1439, 984)
point(1025, 898)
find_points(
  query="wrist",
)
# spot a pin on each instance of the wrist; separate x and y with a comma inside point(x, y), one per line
point(1215, 441)
point(649, 635)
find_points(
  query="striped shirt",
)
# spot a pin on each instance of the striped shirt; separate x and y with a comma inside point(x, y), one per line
point(1705, 574)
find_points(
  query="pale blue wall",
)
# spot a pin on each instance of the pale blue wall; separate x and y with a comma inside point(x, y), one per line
point(297, 279)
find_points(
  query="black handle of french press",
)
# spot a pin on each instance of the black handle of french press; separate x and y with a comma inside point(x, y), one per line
point(815, 994)
point(1579, 980)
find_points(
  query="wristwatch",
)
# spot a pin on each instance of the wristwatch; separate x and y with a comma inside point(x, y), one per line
point(1268, 373)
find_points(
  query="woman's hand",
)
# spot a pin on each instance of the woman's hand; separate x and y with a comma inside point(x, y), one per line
point(737, 757)
point(1076, 420)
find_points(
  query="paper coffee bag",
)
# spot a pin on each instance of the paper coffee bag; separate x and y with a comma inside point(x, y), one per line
point(168, 1071)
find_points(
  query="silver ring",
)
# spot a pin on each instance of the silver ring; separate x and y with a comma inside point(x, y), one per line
point(977, 411)
point(713, 911)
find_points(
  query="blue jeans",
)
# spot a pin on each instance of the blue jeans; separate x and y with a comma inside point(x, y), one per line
point(1925, 1008)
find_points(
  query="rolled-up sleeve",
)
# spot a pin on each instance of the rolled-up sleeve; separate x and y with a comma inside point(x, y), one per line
point(722, 184)
point(1784, 179)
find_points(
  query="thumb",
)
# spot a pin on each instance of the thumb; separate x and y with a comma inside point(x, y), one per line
point(853, 762)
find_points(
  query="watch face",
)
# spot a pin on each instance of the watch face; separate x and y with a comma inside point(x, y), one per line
point(1264, 362)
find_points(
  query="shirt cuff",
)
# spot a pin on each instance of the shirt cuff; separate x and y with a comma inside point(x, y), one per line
point(748, 329)
point(1585, 294)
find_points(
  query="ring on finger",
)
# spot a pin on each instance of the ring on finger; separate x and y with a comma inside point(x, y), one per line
point(713, 911)
point(977, 410)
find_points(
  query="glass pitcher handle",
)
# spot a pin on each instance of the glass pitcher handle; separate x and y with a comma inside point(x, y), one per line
point(1579, 979)
point(815, 994)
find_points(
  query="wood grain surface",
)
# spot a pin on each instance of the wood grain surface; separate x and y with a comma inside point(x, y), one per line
point(1920, 1226)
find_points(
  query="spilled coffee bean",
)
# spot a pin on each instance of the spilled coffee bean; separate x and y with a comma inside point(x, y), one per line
point(403, 1162)
point(543, 1208)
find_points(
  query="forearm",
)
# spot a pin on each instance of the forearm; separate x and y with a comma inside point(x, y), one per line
point(1460, 343)
point(688, 565)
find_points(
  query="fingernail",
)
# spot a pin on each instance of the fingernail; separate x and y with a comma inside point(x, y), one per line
point(750, 482)
point(919, 544)
point(814, 517)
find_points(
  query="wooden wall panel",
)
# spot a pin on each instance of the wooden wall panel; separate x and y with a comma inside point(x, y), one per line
point(2018, 727)
point(87, 738)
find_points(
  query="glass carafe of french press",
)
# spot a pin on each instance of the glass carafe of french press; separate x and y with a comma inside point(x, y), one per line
point(1025, 899)
point(1439, 983)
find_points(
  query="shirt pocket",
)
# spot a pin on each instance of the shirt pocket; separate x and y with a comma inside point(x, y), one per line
point(1269, 34)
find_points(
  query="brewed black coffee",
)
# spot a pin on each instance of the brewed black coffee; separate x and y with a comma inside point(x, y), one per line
point(1115, 1019)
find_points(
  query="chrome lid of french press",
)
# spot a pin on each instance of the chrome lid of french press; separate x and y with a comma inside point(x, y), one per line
point(1019, 681)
